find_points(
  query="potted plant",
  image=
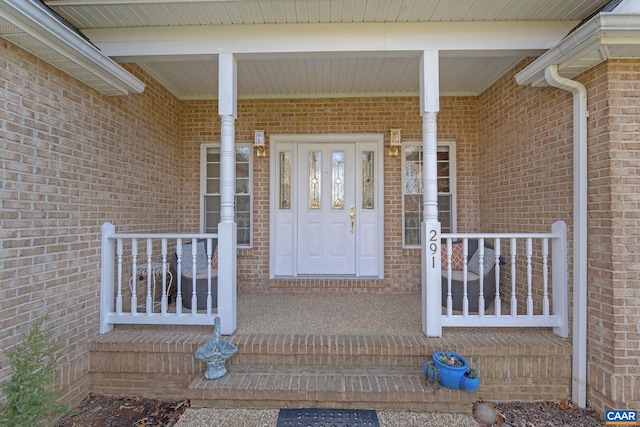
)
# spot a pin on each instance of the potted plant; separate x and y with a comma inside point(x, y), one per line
point(431, 375)
point(471, 381)
point(452, 367)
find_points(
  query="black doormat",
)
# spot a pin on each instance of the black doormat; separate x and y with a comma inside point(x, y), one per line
point(327, 418)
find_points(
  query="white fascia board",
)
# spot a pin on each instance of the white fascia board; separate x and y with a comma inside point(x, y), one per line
point(363, 37)
point(30, 17)
point(603, 29)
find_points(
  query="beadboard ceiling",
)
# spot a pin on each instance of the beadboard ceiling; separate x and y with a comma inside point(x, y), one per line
point(356, 64)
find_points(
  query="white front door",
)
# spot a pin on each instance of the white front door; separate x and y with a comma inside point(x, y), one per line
point(326, 209)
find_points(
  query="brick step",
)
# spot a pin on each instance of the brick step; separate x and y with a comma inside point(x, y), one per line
point(327, 386)
point(332, 350)
point(513, 365)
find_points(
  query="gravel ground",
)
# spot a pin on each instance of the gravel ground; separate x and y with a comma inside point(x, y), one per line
point(269, 417)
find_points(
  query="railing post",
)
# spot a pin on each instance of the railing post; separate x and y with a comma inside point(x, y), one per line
point(431, 279)
point(227, 228)
point(227, 285)
point(559, 282)
point(107, 273)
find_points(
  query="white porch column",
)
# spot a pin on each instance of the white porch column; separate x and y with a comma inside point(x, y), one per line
point(429, 107)
point(227, 229)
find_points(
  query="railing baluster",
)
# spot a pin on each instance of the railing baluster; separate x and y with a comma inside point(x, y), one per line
point(119, 294)
point(194, 278)
point(149, 303)
point(545, 277)
point(498, 301)
point(209, 256)
point(134, 276)
point(179, 276)
point(163, 298)
point(529, 278)
point(514, 299)
point(449, 279)
point(481, 278)
point(465, 278)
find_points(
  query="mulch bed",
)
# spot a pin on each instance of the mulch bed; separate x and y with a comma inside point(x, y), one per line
point(547, 414)
point(115, 411)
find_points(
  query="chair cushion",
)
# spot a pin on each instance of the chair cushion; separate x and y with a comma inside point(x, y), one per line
point(201, 256)
point(214, 259)
point(200, 274)
point(487, 262)
point(457, 275)
point(457, 258)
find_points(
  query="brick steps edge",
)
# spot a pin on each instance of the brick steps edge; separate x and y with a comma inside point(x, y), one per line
point(262, 386)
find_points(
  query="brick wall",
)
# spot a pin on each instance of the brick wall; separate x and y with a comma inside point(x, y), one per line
point(614, 236)
point(71, 160)
point(456, 120)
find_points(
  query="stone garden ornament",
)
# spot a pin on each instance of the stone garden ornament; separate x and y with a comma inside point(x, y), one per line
point(215, 352)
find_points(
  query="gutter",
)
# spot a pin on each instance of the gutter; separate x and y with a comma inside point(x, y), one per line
point(580, 182)
point(586, 46)
point(66, 47)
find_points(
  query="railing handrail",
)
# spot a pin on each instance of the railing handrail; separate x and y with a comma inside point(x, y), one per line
point(500, 235)
point(163, 236)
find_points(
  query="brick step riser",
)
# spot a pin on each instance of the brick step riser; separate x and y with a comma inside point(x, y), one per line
point(159, 365)
point(128, 358)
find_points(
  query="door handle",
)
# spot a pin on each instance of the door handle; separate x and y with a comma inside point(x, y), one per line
point(352, 215)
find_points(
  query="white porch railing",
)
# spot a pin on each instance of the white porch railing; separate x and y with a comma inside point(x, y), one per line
point(139, 286)
point(530, 275)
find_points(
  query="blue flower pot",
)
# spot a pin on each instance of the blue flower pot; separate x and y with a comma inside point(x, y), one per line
point(451, 376)
point(430, 373)
point(470, 384)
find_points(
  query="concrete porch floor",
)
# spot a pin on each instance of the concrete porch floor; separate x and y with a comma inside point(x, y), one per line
point(331, 313)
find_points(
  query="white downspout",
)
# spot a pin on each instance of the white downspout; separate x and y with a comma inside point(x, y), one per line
point(580, 114)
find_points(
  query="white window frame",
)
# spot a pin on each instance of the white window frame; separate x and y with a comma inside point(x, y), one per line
point(451, 144)
point(203, 187)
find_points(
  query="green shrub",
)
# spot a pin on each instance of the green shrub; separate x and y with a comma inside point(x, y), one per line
point(28, 399)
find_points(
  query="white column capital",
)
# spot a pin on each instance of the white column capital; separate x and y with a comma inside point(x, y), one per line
point(429, 82)
point(227, 85)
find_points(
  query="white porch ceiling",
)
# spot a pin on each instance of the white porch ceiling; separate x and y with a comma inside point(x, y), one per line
point(298, 48)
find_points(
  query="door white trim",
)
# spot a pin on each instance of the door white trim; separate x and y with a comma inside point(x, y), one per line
point(283, 235)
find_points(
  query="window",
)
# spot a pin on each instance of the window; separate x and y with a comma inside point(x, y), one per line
point(412, 209)
point(211, 190)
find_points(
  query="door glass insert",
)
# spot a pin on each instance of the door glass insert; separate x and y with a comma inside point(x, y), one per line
point(368, 180)
point(315, 179)
point(285, 180)
point(337, 176)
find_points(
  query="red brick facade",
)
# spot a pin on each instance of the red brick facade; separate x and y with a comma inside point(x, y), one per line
point(73, 159)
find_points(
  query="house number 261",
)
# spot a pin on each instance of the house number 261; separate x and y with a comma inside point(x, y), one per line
point(433, 246)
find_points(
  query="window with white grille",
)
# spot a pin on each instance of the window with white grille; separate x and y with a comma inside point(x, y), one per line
point(210, 199)
point(412, 191)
